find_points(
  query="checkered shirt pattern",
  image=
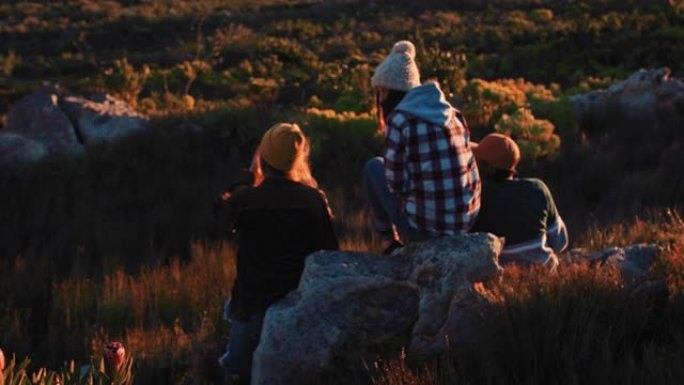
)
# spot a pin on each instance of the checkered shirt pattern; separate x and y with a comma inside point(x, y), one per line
point(432, 169)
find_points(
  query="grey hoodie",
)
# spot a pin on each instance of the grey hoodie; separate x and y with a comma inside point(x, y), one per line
point(428, 102)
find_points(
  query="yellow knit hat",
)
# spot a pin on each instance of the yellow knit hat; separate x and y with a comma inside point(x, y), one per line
point(281, 145)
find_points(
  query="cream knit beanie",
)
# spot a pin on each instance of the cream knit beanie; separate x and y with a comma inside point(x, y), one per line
point(398, 71)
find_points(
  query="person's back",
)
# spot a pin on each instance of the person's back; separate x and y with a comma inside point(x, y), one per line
point(277, 224)
point(426, 184)
point(523, 212)
point(520, 210)
point(429, 162)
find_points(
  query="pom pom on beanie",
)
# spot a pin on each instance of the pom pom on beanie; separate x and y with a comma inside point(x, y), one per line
point(406, 47)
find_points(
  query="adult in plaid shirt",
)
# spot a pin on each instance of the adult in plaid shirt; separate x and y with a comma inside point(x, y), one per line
point(427, 183)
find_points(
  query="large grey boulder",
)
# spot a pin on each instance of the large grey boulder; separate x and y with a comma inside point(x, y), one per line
point(446, 271)
point(102, 117)
point(58, 123)
point(18, 150)
point(347, 304)
point(39, 118)
point(646, 96)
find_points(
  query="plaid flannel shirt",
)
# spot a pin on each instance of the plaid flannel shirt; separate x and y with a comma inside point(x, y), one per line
point(433, 171)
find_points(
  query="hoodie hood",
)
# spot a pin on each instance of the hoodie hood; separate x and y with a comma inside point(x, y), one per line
point(428, 102)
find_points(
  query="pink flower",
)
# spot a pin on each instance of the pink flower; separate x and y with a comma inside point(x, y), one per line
point(115, 355)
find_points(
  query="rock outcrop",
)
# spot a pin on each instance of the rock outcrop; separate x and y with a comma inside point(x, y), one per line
point(102, 117)
point(16, 150)
point(50, 121)
point(634, 262)
point(38, 117)
point(347, 303)
point(646, 96)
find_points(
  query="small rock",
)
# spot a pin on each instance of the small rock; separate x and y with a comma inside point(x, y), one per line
point(634, 262)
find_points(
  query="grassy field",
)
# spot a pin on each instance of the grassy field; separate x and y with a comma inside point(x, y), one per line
point(122, 243)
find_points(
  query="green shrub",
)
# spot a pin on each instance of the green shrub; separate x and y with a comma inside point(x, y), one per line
point(125, 81)
point(559, 112)
point(448, 67)
point(8, 63)
point(341, 145)
point(488, 101)
point(535, 137)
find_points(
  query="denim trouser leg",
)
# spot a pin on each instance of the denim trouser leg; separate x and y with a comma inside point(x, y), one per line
point(244, 338)
point(385, 206)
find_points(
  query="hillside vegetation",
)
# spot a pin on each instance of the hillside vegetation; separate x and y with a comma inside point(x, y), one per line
point(122, 243)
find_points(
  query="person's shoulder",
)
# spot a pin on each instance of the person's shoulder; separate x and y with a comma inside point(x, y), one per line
point(243, 194)
point(535, 184)
point(235, 200)
point(315, 196)
point(314, 193)
point(398, 118)
point(295, 188)
point(532, 182)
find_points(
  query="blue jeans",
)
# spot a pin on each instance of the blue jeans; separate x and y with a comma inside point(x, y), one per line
point(386, 207)
point(244, 338)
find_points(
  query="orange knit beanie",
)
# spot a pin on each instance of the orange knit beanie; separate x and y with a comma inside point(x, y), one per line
point(499, 151)
point(281, 145)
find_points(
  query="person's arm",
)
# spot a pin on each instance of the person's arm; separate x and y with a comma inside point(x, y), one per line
point(556, 232)
point(244, 178)
point(395, 156)
point(226, 209)
point(557, 235)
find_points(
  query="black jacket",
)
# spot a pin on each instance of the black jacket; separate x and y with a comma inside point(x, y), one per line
point(276, 225)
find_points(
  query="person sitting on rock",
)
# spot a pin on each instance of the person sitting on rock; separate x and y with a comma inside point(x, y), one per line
point(520, 210)
point(277, 223)
point(426, 184)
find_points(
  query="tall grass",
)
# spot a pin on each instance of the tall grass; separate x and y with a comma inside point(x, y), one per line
point(168, 317)
point(97, 373)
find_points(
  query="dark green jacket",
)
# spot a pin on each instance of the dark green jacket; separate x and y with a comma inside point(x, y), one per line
point(523, 212)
